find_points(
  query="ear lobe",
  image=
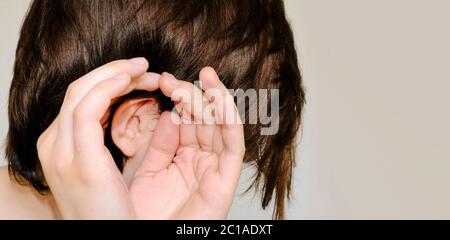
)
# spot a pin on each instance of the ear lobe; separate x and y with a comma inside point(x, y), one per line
point(125, 127)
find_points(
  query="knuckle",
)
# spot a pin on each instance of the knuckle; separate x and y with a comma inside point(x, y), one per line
point(43, 145)
point(100, 90)
point(59, 168)
point(72, 91)
point(80, 113)
point(41, 150)
point(41, 141)
point(61, 163)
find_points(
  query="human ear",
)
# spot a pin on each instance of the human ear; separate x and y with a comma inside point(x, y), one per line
point(133, 124)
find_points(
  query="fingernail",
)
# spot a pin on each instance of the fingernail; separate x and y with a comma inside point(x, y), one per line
point(139, 61)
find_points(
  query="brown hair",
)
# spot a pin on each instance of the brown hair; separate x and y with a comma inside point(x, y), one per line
point(248, 42)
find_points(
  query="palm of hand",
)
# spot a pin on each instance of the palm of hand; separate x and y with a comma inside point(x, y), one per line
point(189, 188)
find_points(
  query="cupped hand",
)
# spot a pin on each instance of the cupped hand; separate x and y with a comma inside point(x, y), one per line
point(194, 160)
point(78, 168)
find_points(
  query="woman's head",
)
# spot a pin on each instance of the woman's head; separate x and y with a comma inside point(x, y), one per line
point(248, 42)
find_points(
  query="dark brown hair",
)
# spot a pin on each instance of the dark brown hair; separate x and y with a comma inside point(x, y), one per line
point(248, 42)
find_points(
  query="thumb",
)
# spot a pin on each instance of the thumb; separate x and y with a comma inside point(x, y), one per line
point(163, 145)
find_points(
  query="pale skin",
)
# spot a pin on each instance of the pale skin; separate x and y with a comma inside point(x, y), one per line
point(175, 169)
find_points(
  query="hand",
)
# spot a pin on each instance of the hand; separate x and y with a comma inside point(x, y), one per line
point(78, 168)
point(192, 170)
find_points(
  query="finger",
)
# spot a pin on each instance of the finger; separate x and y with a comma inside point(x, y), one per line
point(229, 122)
point(163, 146)
point(205, 136)
point(206, 130)
point(78, 89)
point(87, 129)
point(148, 81)
point(188, 135)
point(190, 96)
point(217, 142)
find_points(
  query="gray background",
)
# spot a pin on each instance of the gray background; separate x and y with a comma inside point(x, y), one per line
point(376, 130)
